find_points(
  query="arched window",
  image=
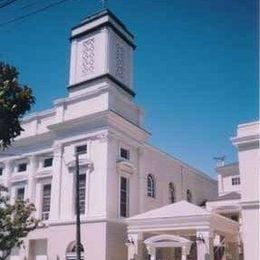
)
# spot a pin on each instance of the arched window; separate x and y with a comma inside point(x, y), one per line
point(172, 196)
point(150, 186)
point(188, 196)
point(71, 251)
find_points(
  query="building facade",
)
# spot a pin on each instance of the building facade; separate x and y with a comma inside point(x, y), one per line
point(122, 177)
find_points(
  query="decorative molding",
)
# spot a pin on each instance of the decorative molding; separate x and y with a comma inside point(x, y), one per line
point(18, 177)
point(58, 149)
point(87, 164)
point(43, 175)
point(246, 142)
point(43, 172)
point(250, 204)
point(102, 77)
point(88, 57)
point(124, 166)
point(101, 137)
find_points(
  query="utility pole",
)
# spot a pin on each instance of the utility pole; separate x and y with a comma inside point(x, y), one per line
point(78, 238)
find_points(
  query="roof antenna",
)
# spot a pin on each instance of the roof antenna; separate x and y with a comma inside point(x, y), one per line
point(104, 4)
point(220, 160)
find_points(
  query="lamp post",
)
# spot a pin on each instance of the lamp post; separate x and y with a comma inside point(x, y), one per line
point(78, 242)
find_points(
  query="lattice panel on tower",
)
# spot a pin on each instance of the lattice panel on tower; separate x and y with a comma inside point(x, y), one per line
point(120, 61)
point(88, 57)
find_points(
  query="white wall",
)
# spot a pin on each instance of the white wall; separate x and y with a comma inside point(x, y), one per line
point(227, 184)
point(247, 142)
point(167, 169)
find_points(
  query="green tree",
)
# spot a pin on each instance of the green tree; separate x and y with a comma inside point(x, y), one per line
point(15, 101)
point(16, 221)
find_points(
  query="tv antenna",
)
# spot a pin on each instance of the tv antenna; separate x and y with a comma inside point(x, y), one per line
point(220, 160)
point(104, 3)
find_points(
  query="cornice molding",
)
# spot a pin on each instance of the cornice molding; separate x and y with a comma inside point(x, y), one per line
point(250, 204)
point(102, 77)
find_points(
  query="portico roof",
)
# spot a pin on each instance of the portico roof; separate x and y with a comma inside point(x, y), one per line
point(178, 209)
point(181, 215)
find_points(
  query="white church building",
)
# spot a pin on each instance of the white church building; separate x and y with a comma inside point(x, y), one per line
point(136, 201)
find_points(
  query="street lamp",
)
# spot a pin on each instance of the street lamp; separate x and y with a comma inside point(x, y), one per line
point(78, 238)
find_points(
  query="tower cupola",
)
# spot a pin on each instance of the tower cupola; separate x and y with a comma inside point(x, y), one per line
point(101, 49)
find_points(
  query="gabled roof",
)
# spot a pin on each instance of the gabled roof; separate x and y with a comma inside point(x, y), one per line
point(181, 215)
point(178, 209)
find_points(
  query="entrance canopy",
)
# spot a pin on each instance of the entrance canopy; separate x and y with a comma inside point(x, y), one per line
point(181, 216)
point(179, 225)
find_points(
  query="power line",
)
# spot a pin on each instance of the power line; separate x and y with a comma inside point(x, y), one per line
point(7, 3)
point(32, 13)
point(28, 5)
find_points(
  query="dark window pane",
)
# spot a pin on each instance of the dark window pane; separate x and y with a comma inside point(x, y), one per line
point(20, 194)
point(236, 181)
point(22, 167)
point(82, 193)
point(46, 201)
point(124, 153)
point(150, 186)
point(1, 171)
point(81, 149)
point(48, 162)
point(124, 197)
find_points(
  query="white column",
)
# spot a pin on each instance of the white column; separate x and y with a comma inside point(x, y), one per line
point(185, 250)
point(8, 174)
point(31, 178)
point(130, 251)
point(135, 246)
point(56, 182)
point(247, 142)
point(205, 245)
point(26, 249)
point(152, 253)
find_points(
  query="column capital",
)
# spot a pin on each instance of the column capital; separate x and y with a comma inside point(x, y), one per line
point(57, 148)
point(133, 243)
point(206, 233)
point(8, 163)
point(186, 250)
point(151, 250)
point(32, 158)
point(205, 244)
point(136, 236)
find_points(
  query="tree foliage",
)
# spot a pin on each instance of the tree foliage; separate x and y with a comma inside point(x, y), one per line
point(15, 101)
point(16, 221)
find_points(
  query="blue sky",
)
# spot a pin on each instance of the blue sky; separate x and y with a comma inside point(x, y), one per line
point(195, 66)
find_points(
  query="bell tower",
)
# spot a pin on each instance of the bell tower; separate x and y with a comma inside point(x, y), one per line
point(101, 49)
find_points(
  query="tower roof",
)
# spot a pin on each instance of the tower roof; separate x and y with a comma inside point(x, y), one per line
point(100, 19)
point(100, 14)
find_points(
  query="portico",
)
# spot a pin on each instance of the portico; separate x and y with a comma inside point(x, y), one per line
point(185, 230)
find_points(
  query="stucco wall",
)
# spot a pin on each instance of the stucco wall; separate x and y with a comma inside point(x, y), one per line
point(115, 241)
point(166, 170)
